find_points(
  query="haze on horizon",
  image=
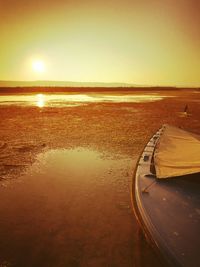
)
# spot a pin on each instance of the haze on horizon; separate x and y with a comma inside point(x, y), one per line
point(144, 42)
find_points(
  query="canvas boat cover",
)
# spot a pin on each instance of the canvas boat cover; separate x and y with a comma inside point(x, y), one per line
point(177, 153)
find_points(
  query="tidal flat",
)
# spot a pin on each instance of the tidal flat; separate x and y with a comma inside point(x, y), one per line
point(66, 171)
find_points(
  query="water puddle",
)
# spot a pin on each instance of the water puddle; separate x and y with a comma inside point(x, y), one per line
point(70, 100)
point(72, 208)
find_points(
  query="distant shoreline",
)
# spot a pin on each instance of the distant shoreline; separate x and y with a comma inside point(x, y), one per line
point(58, 89)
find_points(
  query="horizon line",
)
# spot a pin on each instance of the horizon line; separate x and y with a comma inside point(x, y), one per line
point(126, 84)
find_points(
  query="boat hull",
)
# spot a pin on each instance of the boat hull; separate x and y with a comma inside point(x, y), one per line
point(169, 210)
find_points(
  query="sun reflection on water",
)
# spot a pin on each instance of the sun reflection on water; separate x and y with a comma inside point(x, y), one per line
point(40, 100)
point(63, 100)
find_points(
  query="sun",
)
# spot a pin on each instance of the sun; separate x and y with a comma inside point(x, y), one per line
point(38, 66)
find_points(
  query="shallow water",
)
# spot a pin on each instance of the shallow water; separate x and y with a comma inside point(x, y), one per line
point(42, 100)
point(72, 208)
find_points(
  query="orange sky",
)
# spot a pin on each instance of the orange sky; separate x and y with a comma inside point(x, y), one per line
point(145, 42)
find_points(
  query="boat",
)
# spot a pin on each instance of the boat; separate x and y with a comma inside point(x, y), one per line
point(166, 195)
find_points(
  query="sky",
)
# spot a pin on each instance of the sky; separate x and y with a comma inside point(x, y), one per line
point(142, 42)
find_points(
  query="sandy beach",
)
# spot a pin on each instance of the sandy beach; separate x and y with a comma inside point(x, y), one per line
point(99, 227)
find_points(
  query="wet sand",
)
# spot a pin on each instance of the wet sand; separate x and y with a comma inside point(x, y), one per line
point(85, 218)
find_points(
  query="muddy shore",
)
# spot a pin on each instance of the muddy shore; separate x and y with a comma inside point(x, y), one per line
point(121, 128)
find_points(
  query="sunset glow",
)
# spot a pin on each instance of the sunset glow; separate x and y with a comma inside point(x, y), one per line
point(138, 42)
point(38, 66)
point(88, 91)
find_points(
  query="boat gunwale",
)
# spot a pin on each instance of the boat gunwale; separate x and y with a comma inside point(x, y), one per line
point(166, 260)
